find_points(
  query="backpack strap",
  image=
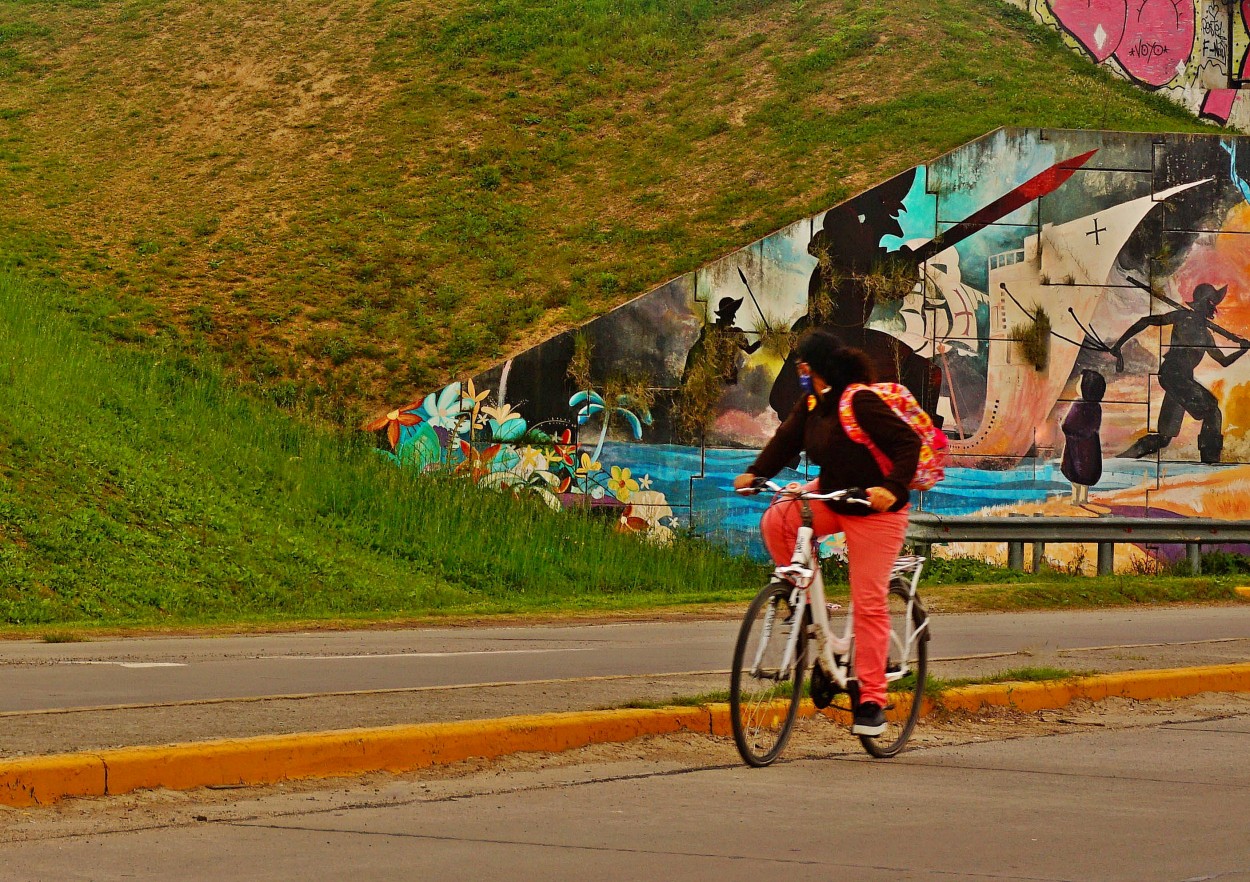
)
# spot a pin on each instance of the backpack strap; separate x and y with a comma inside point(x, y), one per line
point(846, 415)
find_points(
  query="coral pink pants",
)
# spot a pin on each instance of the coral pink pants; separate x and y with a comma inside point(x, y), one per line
point(873, 542)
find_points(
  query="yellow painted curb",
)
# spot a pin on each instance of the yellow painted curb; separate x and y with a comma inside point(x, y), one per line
point(269, 759)
point(1139, 685)
point(266, 760)
point(40, 780)
point(1243, 591)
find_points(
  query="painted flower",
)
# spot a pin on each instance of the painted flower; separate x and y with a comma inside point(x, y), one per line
point(621, 484)
point(645, 482)
point(443, 409)
point(477, 463)
point(394, 422)
point(531, 461)
point(562, 448)
point(505, 423)
point(587, 465)
point(471, 404)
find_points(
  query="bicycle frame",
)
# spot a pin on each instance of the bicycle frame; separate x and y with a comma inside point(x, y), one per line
point(834, 653)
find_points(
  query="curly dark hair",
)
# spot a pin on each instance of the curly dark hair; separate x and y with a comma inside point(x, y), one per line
point(838, 365)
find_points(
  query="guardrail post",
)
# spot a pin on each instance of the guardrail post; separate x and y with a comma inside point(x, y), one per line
point(1106, 558)
point(1195, 558)
point(1015, 555)
point(1039, 554)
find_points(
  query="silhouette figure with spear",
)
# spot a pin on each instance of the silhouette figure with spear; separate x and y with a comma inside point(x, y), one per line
point(721, 336)
point(1191, 339)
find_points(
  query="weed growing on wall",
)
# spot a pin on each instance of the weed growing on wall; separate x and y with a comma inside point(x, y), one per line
point(1033, 340)
point(889, 281)
point(579, 364)
point(705, 382)
point(775, 336)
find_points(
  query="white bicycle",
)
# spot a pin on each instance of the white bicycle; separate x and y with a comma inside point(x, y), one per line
point(771, 655)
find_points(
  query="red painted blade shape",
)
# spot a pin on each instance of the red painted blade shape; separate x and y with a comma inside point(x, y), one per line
point(1035, 187)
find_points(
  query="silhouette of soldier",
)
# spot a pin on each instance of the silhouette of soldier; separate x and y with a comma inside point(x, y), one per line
point(848, 247)
point(1182, 394)
point(722, 333)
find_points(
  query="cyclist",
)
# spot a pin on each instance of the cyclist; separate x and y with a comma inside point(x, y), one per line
point(874, 534)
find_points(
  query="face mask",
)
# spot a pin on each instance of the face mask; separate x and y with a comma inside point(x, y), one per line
point(805, 383)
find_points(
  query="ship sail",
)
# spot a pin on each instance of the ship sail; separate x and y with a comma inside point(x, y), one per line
point(1064, 266)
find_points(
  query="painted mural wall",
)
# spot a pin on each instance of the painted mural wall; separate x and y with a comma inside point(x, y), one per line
point(1074, 307)
point(1184, 49)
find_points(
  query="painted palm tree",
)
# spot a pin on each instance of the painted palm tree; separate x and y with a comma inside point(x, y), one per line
point(591, 403)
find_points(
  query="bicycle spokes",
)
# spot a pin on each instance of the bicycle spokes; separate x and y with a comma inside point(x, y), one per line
point(767, 676)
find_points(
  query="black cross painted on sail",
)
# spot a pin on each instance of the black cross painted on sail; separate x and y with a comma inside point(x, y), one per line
point(1095, 231)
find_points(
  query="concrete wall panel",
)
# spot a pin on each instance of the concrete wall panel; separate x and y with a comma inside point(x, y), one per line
point(939, 274)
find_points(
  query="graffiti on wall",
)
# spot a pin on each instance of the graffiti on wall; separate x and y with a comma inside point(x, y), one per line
point(1188, 50)
point(1074, 307)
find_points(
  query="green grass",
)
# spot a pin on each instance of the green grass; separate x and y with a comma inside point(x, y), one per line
point(347, 205)
point(338, 207)
point(141, 490)
point(968, 584)
point(1062, 591)
point(935, 686)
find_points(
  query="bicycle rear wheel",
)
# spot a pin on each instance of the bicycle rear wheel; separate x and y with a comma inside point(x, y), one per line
point(906, 667)
point(765, 686)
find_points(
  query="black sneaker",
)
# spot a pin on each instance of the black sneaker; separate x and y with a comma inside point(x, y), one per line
point(869, 719)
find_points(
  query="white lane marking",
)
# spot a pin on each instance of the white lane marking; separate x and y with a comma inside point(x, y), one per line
point(430, 654)
point(128, 664)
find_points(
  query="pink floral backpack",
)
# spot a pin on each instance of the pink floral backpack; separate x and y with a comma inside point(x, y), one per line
point(934, 448)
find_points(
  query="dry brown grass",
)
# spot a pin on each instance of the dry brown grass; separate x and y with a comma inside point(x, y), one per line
point(329, 200)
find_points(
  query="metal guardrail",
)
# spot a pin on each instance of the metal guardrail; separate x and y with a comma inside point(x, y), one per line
point(1017, 531)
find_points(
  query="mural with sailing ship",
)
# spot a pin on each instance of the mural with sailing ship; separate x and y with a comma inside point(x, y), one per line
point(1072, 306)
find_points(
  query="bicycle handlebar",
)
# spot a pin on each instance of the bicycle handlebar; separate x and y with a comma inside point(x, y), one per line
point(795, 490)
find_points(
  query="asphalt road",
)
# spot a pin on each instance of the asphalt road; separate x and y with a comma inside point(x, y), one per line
point(1153, 801)
point(40, 676)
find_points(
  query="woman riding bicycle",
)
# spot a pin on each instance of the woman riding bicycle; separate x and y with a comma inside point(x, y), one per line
point(874, 534)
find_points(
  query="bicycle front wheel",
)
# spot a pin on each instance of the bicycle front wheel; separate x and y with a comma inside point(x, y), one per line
point(766, 682)
point(906, 668)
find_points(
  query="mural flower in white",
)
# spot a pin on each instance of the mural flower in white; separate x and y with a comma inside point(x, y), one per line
point(444, 409)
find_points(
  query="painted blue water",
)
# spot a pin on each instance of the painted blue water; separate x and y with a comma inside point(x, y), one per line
point(699, 485)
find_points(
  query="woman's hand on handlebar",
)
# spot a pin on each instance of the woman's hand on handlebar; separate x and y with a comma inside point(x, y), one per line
point(746, 483)
point(880, 499)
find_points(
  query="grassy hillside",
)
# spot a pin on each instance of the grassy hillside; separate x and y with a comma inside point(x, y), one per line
point(347, 202)
point(138, 489)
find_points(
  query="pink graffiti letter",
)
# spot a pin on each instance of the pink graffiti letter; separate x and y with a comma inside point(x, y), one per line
point(1158, 39)
point(1098, 25)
